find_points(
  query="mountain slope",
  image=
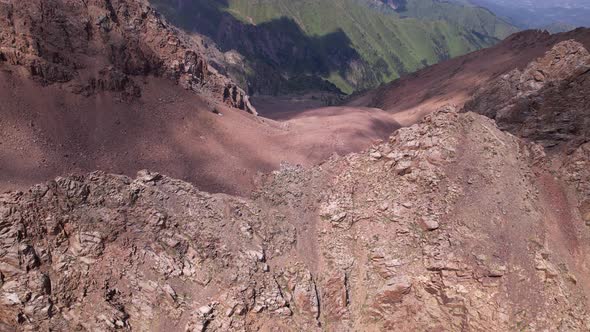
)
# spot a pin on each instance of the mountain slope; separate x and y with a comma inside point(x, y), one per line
point(92, 47)
point(110, 85)
point(354, 44)
point(455, 81)
point(565, 15)
point(475, 19)
point(546, 102)
point(450, 225)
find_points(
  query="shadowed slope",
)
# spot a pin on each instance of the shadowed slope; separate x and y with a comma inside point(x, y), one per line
point(354, 44)
point(456, 80)
point(112, 86)
point(167, 129)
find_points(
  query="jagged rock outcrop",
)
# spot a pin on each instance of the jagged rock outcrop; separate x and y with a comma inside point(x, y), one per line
point(450, 225)
point(105, 45)
point(547, 102)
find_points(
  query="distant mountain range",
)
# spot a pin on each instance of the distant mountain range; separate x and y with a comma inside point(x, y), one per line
point(544, 3)
point(552, 15)
point(286, 46)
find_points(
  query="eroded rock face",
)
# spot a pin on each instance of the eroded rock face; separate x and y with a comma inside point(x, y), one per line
point(347, 245)
point(109, 252)
point(546, 102)
point(94, 46)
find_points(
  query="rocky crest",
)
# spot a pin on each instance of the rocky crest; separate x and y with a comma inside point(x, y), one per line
point(105, 45)
point(546, 102)
point(450, 225)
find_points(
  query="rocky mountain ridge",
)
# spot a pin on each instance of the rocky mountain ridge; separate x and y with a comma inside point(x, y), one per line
point(456, 81)
point(400, 237)
point(94, 46)
point(459, 222)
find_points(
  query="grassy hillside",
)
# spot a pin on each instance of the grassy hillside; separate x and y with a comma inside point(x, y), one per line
point(476, 19)
point(354, 44)
point(552, 15)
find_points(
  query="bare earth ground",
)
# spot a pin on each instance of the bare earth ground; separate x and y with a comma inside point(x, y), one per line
point(448, 225)
point(167, 129)
point(289, 106)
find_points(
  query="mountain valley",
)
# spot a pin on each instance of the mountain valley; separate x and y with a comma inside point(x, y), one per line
point(159, 176)
point(333, 45)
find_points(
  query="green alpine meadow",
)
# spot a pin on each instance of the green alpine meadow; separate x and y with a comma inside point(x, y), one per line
point(338, 45)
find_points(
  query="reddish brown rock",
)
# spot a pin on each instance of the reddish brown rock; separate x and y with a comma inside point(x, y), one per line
point(389, 295)
point(106, 46)
point(335, 298)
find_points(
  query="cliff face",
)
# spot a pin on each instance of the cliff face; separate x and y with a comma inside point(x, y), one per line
point(109, 45)
point(546, 102)
point(452, 224)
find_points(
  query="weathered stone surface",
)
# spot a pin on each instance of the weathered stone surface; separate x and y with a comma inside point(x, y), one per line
point(546, 102)
point(341, 246)
point(392, 293)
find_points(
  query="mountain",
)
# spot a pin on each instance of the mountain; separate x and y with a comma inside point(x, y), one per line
point(456, 198)
point(350, 45)
point(450, 224)
point(555, 15)
point(557, 27)
point(457, 80)
point(94, 47)
point(113, 86)
point(545, 3)
point(545, 102)
point(477, 20)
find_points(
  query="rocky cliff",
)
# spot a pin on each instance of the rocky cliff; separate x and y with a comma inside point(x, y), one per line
point(546, 102)
point(105, 45)
point(450, 225)
point(348, 45)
